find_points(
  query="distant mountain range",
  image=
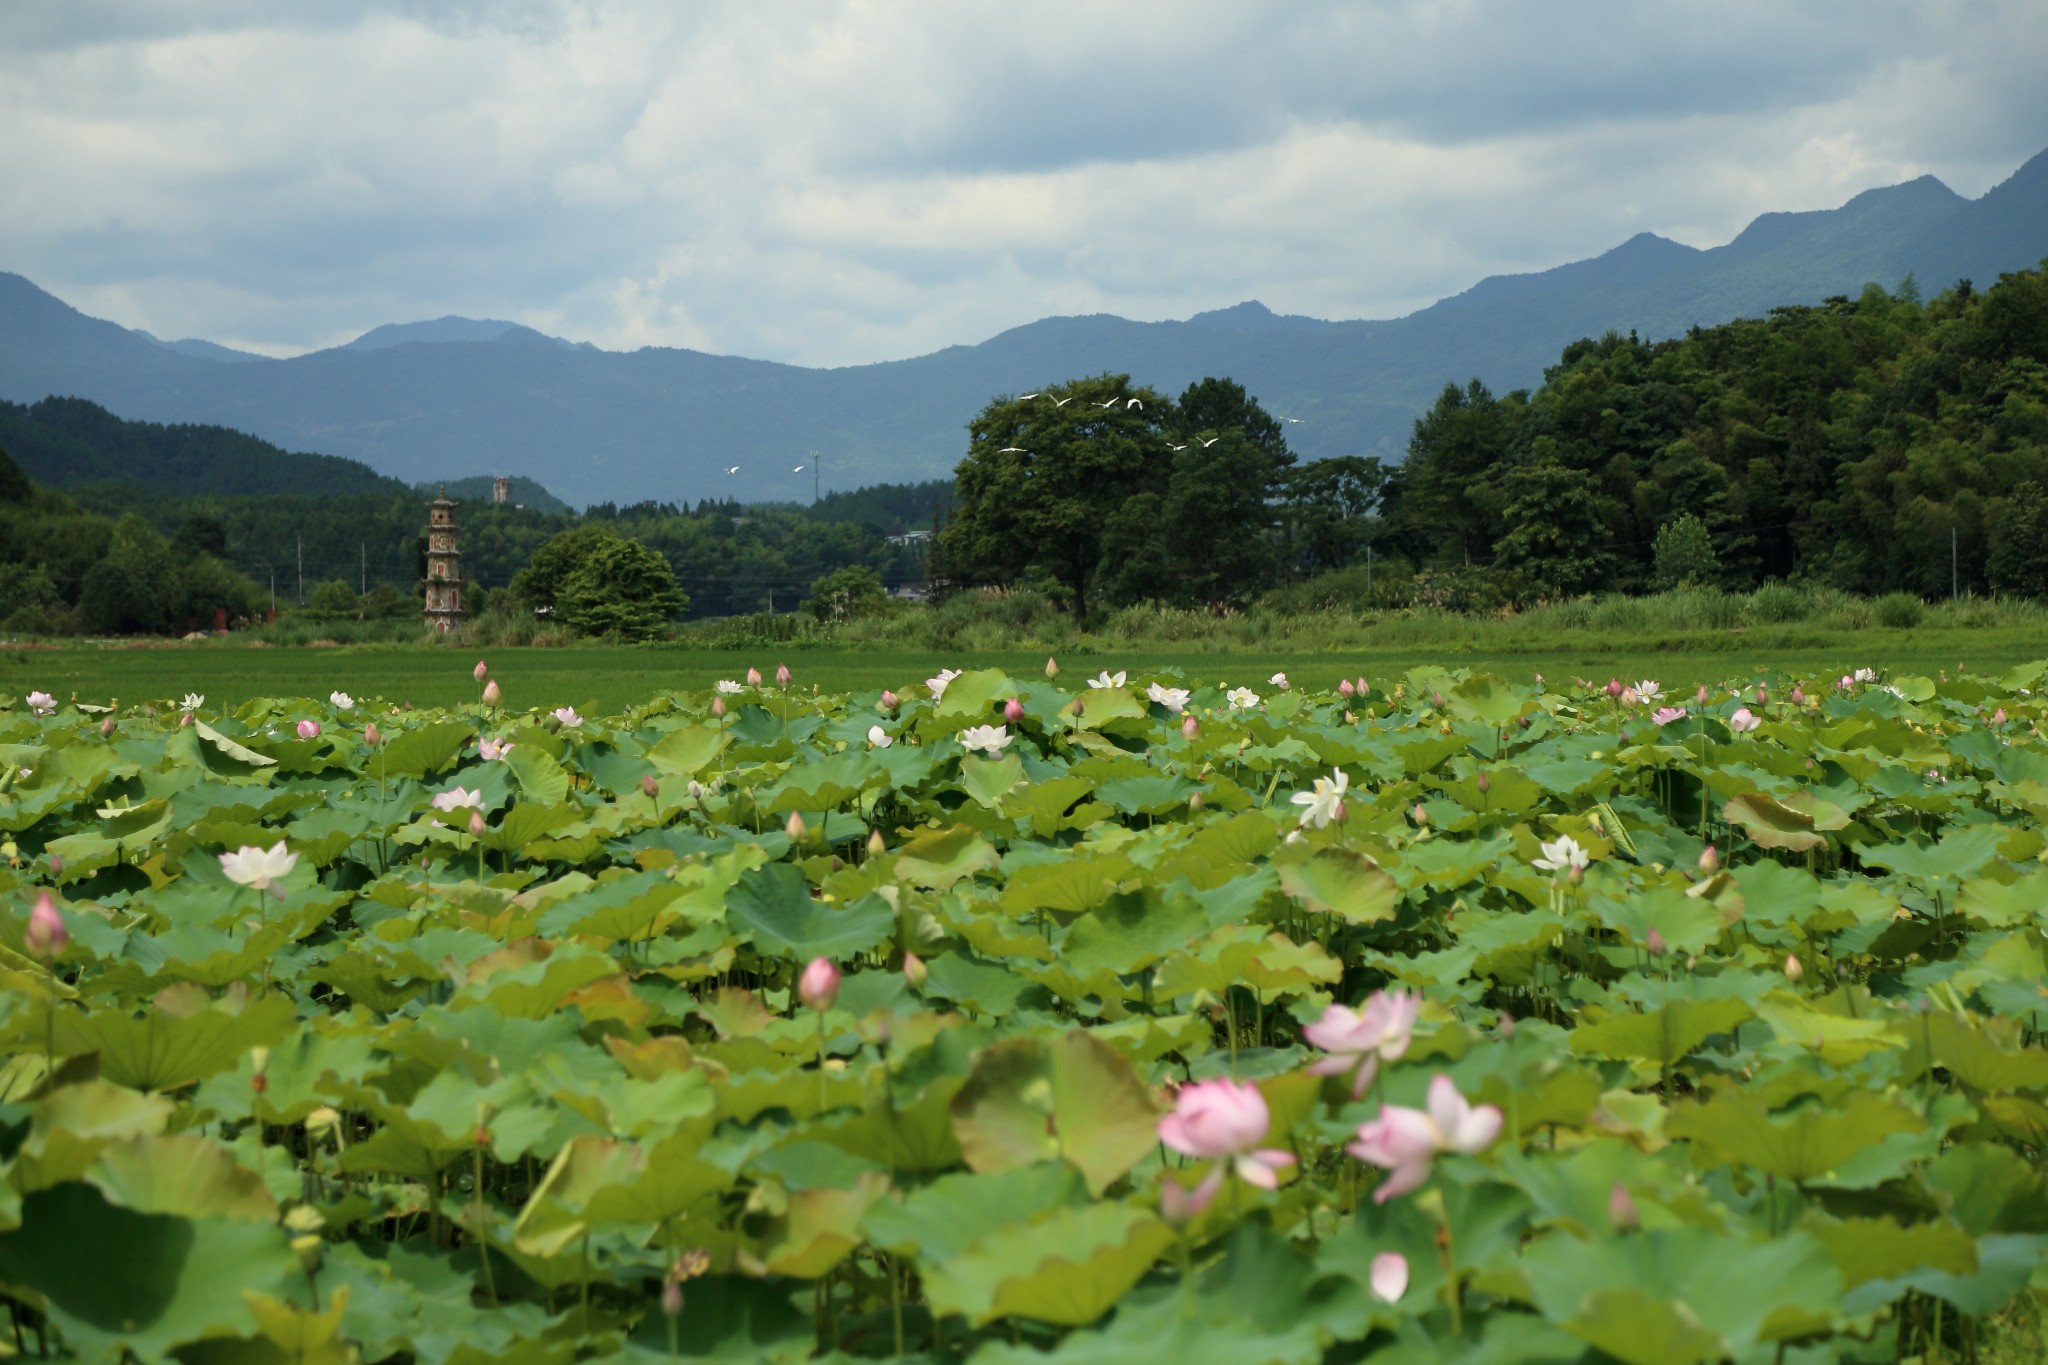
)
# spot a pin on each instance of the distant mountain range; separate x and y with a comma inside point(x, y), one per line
point(458, 397)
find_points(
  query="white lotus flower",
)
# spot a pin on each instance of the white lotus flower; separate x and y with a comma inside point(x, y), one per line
point(1647, 691)
point(1108, 679)
point(727, 687)
point(1864, 675)
point(880, 738)
point(259, 868)
point(493, 749)
point(938, 684)
point(193, 701)
point(1319, 805)
point(1563, 854)
point(1174, 699)
point(41, 703)
point(1241, 698)
point(1279, 680)
point(456, 798)
point(341, 701)
point(567, 715)
point(989, 739)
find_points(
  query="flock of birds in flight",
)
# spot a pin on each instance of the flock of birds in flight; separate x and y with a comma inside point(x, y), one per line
point(1128, 403)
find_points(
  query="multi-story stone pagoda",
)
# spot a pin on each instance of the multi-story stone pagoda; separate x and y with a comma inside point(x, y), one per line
point(444, 566)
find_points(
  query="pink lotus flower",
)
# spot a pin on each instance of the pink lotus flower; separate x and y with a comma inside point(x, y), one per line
point(818, 987)
point(1614, 688)
point(1405, 1141)
point(566, 715)
point(1180, 1206)
point(889, 701)
point(1013, 710)
point(1190, 728)
point(309, 729)
point(1346, 690)
point(1665, 715)
point(491, 750)
point(46, 935)
point(1225, 1119)
point(1743, 721)
point(782, 675)
point(1389, 1276)
point(481, 671)
point(753, 677)
point(1364, 1038)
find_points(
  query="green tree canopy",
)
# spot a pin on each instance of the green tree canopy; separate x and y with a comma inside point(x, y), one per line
point(620, 588)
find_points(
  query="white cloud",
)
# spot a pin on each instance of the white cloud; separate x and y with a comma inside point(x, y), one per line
point(841, 182)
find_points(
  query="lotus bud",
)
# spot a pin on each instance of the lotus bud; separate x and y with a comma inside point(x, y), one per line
point(1338, 814)
point(753, 677)
point(1700, 696)
point(1484, 783)
point(837, 863)
point(481, 671)
point(476, 823)
point(1539, 680)
point(1577, 876)
point(877, 845)
point(56, 864)
point(1710, 861)
point(782, 675)
point(1436, 699)
point(1997, 718)
point(1362, 688)
point(1622, 1214)
point(1346, 690)
point(1077, 708)
point(1505, 1025)
point(1798, 695)
point(794, 828)
point(1196, 802)
point(1653, 944)
point(1013, 710)
point(1763, 695)
point(649, 788)
point(1052, 668)
point(1350, 719)
point(372, 736)
point(914, 970)
point(718, 707)
point(493, 694)
point(889, 701)
point(107, 725)
point(1614, 688)
point(671, 1297)
point(1621, 738)
point(1521, 722)
point(1189, 727)
point(46, 936)
point(309, 729)
point(259, 1068)
point(184, 720)
point(1793, 971)
point(818, 987)
point(1419, 816)
point(323, 1121)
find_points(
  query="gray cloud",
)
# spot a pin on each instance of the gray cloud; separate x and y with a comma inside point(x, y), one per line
point(840, 182)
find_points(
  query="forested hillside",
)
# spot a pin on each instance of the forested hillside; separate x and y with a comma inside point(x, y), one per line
point(65, 442)
point(1875, 444)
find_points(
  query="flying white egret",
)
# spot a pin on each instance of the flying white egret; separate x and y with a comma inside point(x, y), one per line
point(1295, 420)
point(1210, 442)
point(1022, 396)
point(798, 470)
point(1176, 447)
point(1013, 450)
point(732, 469)
point(1110, 404)
point(1130, 403)
point(1063, 402)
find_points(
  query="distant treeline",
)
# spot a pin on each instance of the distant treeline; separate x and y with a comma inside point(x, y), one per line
point(1876, 444)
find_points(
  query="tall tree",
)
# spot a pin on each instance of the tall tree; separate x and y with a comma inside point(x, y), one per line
point(1044, 476)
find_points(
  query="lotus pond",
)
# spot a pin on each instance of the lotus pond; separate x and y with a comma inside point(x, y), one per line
point(1437, 1018)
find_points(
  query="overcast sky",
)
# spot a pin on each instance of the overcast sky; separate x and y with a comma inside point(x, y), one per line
point(833, 183)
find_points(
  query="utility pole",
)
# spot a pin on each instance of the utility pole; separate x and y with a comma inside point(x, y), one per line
point(273, 591)
point(1368, 569)
point(364, 582)
point(1954, 576)
point(302, 569)
point(816, 470)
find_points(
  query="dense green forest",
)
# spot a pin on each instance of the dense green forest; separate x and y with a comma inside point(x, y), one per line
point(1876, 444)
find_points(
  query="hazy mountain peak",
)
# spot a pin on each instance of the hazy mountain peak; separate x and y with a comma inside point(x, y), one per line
point(446, 329)
point(1253, 316)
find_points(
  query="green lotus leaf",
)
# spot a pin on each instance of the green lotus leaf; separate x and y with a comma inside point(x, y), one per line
point(117, 1280)
point(179, 1039)
point(772, 907)
point(74, 1123)
point(1031, 1100)
point(1488, 699)
point(1881, 1249)
point(1047, 805)
point(542, 781)
point(1664, 1035)
point(819, 1229)
point(944, 857)
point(1957, 855)
point(420, 752)
point(824, 785)
point(1131, 931)
point(1068, 1268)
point(181, 1174)
point(941, 1221)
point(1337, 881)
point(1988, 1057)
point(1813, 1141)
point(1771, 824)
point(1070, 886)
